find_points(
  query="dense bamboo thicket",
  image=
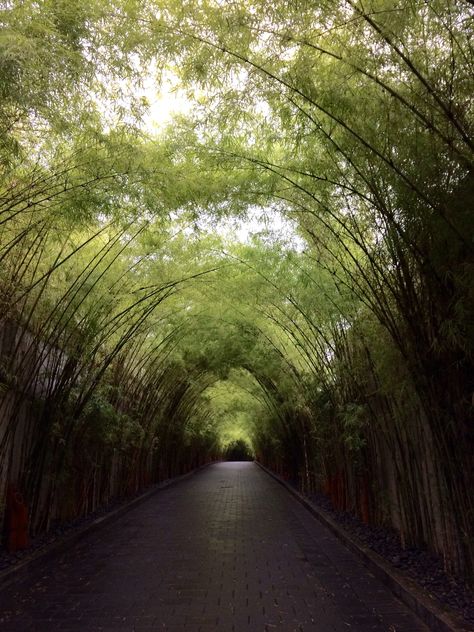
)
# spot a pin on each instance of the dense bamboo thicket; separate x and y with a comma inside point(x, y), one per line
point(285, 268)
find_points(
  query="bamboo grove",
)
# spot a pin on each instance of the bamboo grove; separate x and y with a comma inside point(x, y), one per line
point(140, 336)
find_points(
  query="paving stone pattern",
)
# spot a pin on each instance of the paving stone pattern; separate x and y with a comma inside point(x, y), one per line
point(229, 550)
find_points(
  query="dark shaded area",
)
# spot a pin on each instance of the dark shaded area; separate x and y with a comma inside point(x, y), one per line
point(238, 451)
point(254, 560)
point(424, 567)
point(60, 531)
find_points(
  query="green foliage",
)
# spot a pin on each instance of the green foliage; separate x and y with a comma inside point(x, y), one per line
point(336, 341)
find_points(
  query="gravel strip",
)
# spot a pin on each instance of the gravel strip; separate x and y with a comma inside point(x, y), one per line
point(421, 565)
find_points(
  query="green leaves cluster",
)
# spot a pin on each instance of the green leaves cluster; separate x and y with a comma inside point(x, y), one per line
point(338, 346)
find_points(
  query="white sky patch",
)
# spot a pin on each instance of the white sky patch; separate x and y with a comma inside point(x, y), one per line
point(165, 101)
point(266, 224)
point(159, 89)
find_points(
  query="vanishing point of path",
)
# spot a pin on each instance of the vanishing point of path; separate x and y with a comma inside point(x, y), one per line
point(228, 550)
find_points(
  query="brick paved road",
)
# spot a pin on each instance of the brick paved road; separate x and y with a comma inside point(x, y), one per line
point(228, 550)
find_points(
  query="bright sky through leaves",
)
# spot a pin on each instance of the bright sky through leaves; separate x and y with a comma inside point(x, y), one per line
point(267, 201)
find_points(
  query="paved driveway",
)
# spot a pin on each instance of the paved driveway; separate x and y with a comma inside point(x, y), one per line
point(228, 550)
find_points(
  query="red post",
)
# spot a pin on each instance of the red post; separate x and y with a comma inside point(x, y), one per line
point(16, 518)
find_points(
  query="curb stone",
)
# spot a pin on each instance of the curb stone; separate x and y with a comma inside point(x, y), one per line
point(24, 568)
point(431, 612)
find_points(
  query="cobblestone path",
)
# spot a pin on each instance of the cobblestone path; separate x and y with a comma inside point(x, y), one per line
point(228, 550)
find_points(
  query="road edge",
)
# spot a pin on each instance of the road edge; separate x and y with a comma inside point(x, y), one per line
point(433, 614)
point(24, 568)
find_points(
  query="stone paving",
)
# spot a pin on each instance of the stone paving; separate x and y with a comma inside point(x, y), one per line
point(229, 550)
